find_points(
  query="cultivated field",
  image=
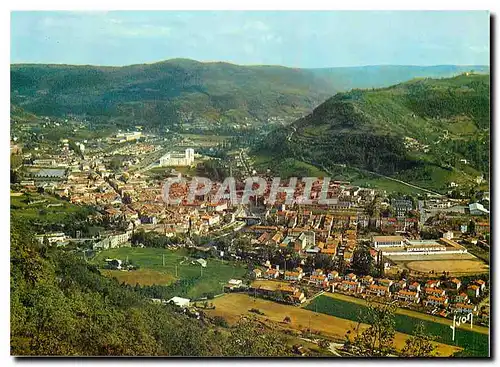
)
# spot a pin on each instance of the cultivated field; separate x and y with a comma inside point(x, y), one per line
point(455, 267)
point(234, 305)
point(407, 312)
point(474, 343)
point(275, 284)
point(178, 265)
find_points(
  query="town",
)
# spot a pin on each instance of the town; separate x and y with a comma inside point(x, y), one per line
point(425, 253)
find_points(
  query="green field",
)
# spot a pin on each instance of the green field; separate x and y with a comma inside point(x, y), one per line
point(39, 210)
point(214, 274)
point(474, 344)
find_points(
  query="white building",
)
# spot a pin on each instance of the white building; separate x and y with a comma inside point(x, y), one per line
point(235, 282)
point(202, 262)
point(181, 302)
point(113, 241)
point(51, 237)
point(387, 241)
point(178, 159)
point(129, 136)
point(477, 209)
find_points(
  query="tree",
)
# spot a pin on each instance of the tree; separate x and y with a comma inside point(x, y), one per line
point(252, 339)
point(419, 344)
point(404, 274)
point(220, 321)
point(362, 261)
point(472, 227)
point(323, 343)
point(377, 340)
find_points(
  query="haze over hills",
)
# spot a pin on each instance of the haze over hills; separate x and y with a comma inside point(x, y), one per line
point(420, 131)
point(190, 92)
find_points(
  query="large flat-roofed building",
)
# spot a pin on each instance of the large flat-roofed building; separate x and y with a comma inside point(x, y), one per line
point(424, 247)
point(178, 159)
point(387, 241)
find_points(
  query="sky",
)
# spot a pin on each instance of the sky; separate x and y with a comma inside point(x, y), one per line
point(305, 39)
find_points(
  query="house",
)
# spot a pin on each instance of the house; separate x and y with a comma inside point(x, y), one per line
point(330, 251)
point(180, 302)
point(293, 275)
point(407, 296)
point(318, 280)
point(385, 282)
point(473, 290)
point(434, 292)
point(433, 301)
point(378, 290)
point(333, 275)
point(481, 284)
point(367, 280)
point(478, 209)
point(235, 282)
point(414, 287)
point(271, 273)
point(298, 296)
point(317, 272)
point(433, 283)
point(350, 277)
point(465, 308)
point(447, 234)
point(455, 283)
point(462, 298)
point(397, 286)
point(257, 273)
point(349, 286)
point(202, 262)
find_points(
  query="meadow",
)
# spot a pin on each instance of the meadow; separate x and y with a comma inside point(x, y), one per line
point(42, 207)
point(475, 344)
point(169, 266)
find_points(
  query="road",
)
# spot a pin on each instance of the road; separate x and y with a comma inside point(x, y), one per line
point(149, 162)
point(243, 161)
point(294, 130)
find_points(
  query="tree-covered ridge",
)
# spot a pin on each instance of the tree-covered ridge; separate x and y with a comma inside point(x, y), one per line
point(410, 129)
point(62, 306)
point(181, 90)
point(164, 93)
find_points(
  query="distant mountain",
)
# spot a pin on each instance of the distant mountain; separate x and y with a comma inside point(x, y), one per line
point(418, 130)
point(386, 75)
point(190, 92)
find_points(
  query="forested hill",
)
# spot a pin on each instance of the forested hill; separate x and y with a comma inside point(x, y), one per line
point(186, 91)
point(410, 130)
point(62, 306)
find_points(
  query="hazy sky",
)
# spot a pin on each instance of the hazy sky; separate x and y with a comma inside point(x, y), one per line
point(298, 39)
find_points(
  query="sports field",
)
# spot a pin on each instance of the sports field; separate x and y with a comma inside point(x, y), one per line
point(474, 343)
point(178, 265)
point(453, 266)
point(234, 305)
